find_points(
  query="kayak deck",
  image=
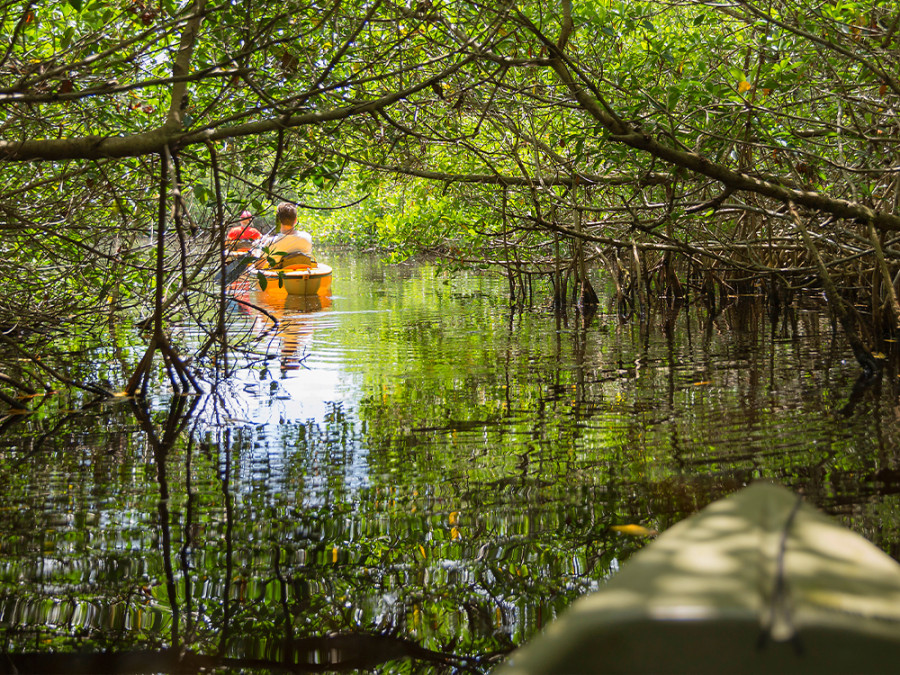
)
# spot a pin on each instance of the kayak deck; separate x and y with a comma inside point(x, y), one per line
point(757, 582)
point(305, 281)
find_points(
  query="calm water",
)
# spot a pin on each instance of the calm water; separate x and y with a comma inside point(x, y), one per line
point(408, 477)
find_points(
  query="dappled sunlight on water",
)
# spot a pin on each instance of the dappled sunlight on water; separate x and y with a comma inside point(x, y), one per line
point(409, 459)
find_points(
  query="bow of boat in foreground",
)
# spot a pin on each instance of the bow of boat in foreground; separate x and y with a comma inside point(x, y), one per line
point(759, 582)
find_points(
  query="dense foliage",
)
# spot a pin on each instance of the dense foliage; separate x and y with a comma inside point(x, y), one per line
point(667, 150)
point(681, 148)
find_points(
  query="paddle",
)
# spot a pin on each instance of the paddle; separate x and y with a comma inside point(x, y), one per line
point(235, 268)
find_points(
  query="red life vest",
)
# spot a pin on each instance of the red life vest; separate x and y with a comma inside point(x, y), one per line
point(244, 232)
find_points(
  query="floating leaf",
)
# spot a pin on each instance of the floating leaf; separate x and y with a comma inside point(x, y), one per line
point(634, 530)
point(454, 517)
point(743, 86)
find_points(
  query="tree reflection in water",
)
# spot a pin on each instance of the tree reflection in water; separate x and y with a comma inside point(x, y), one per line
point(248, 606)
point(438, 480)
point(280, 319)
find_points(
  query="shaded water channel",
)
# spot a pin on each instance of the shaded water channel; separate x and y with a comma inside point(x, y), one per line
point(414, 479)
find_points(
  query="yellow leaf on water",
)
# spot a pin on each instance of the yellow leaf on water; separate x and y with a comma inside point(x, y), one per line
point(422, 551)
point(454, 518)
point(743, 86)
point(879, 355)
point(454, 533)
point(700, 384)
point(635, 530)
point(334, 554)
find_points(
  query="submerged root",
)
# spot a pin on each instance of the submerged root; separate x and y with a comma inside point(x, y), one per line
point(175, 367)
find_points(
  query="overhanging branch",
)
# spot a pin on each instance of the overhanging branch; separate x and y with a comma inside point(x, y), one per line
point(156, 140)
point(590, 100)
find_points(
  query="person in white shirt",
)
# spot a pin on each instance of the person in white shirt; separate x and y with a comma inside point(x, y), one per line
point(289, 240)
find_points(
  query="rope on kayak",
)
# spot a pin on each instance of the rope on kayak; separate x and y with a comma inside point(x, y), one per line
point(779, 610)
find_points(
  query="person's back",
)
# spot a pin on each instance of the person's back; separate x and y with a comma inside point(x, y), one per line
point(290, 240)
point(293, 242)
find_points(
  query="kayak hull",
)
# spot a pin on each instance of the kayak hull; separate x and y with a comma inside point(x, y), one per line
point(306, 281)
point(758, 582)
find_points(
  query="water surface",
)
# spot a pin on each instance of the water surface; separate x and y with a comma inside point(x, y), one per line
point(411, 473)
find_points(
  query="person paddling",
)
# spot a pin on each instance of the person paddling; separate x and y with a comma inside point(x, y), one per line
point(289, 240)
point(244, 235)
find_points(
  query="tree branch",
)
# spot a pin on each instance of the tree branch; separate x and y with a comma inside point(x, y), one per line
point(154, 141)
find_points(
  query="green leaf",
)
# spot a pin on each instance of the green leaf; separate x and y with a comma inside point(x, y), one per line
point(75, 4)
point(66, 38)
point(203, 193)
point(674, 95)
point(261, 278)
point(579, 148)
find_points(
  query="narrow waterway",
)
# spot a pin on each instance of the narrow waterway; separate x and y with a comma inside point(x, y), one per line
point(413, 467)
